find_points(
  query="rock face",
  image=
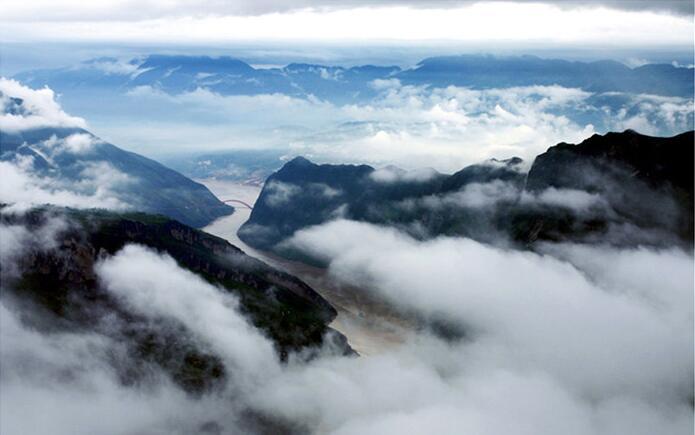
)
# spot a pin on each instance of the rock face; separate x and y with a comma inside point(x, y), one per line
point(302, 194)
point(58, 289)
point(645, 182)
point(66, 155)
point(621, 188)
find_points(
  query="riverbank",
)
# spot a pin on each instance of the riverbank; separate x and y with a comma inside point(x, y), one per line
point(370, 329)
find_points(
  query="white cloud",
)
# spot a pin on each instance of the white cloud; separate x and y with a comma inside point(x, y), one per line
point(38, 108)
point(382, 84)
point(280, 193)
point(17, 240)
point(77, 143)
point(584, 338)
point(477, 195)
point(154, 285)
point(61, 383)
point(602, 336)
point(573, 199)
point(23, 187)
point(118, 67)
point(356, 21)
point(410, 126)
point(391, 174)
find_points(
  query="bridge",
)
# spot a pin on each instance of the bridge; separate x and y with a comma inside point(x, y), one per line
point(238, 201)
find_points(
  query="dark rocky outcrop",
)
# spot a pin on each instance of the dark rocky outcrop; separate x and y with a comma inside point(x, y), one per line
point(646, 183)
point(56, 288)
point(620, 188)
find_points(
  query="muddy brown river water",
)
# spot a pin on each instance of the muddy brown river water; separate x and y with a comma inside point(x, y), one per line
point(370, 327)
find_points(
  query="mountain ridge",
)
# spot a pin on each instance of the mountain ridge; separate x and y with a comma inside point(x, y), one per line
point(231, 76)
point(594, 189)
point(156, 188)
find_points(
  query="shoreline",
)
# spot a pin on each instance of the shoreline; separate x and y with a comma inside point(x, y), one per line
point(368, 330)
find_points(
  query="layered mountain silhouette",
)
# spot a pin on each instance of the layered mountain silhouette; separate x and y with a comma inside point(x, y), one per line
point(620, 188)
point(228, 76)
point(479, 71)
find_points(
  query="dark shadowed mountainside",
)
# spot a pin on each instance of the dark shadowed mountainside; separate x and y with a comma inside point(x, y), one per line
point(57, 288)
point(646, 183)
point(67, 154)
point(302, 194)
point(621, 188)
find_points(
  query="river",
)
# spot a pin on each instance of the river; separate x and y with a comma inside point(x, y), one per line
point(369, 326)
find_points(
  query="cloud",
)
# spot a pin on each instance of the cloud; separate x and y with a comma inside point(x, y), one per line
point(573, 199)
point(476, 195)
point(25, 108)
point(598, 333)
point(18, 239)
point(154, 285)
point(484, 22)
point(280, 193)
point(24, 187)
point(118, 66)
point(77, 144)
point(62, 383)
point(124, 9)
point(604, 336)
point(392, 174)
point(410, 126)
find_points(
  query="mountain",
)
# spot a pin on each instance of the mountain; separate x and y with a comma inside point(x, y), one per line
point(302, 194)
point(72, 157)
point(175, 74)
point(620, 188)
point(480, 71)
point(646, 183)
point(55, 285)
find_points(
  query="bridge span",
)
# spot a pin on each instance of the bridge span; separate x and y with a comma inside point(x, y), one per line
point(238, 201)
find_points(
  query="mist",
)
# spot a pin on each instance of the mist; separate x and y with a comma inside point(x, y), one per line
point(603, 334)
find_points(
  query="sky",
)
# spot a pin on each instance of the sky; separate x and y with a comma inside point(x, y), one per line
point(404, 122)
point(615, 23)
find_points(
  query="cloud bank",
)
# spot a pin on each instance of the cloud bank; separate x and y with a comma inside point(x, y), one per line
point(414, 126)
point(24, 108)
point(24, 187)
point(124, 9)
point(586, 329)
point(601, 337)
point(554, 23)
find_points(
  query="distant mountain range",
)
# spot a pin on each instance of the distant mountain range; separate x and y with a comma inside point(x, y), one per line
point(620, 188)
point(228, 76)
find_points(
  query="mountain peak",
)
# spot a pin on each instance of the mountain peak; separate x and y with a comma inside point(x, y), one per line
point(299, 161)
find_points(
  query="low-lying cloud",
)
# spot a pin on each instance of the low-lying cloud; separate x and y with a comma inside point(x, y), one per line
point(24, 108)
point(602, 337)
point(416, 126)
point(605, 344)
point(24, 187)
